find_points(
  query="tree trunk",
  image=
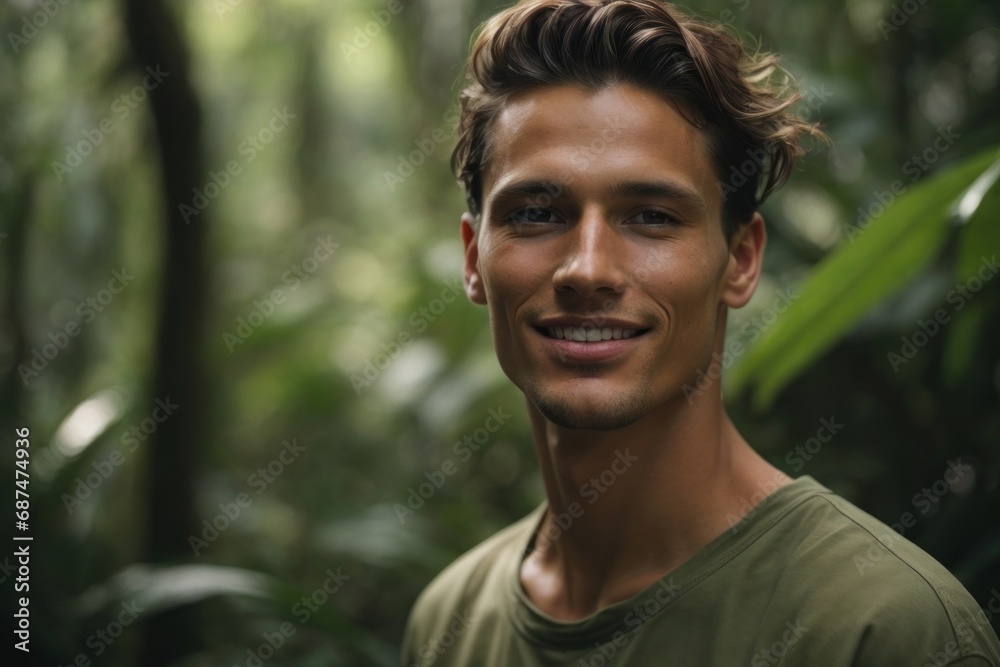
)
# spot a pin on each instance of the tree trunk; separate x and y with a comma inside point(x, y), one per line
point(173, 455)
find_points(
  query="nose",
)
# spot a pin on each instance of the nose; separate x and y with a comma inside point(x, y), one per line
point(593, 259)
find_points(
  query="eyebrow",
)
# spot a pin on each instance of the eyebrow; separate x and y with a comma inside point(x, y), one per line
point(682, 194)
point(532, 188)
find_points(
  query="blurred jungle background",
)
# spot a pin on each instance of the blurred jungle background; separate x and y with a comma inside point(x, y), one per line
point(257, 399)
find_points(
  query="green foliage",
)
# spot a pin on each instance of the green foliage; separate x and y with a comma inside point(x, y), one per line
point(872, 266)
point(367, 355)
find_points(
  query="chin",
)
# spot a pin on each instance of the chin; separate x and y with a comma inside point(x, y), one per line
point(592, 414)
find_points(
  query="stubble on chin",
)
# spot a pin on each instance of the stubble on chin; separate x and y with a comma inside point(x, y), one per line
point(618, 412)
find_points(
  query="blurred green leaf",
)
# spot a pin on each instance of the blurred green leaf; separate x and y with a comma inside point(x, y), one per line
point(982, 236)
point(856, 277)
point(157, 589)
point(964, 334)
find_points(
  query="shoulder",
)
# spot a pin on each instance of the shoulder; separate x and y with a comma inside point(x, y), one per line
point(875, 586)
point(459, 591)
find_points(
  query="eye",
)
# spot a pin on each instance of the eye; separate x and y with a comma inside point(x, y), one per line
point(653, 217)
point(532, 215)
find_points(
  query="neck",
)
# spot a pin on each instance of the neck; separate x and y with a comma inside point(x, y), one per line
point(626, 507)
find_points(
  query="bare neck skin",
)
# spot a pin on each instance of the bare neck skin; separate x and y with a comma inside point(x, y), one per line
point(672, 482)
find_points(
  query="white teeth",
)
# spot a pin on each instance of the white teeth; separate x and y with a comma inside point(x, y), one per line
point(589, 334)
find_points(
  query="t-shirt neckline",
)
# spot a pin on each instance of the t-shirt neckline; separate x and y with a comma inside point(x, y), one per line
point(542, 630)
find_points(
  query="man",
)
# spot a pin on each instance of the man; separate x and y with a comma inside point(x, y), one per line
point(595, 143)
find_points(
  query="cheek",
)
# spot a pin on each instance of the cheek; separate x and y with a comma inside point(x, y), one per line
point(510, 275)
point(686, 285)
point(494, 276)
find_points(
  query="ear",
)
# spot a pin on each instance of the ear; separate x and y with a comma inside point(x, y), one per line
point(746, 260)
point(473, 281)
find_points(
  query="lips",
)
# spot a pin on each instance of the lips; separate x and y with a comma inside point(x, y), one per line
point(589, 340)
point(589, 344)
point(589, 334)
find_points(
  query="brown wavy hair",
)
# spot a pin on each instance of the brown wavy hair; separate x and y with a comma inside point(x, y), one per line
point(742, 101)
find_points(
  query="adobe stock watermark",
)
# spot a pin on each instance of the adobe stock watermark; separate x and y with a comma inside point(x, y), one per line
point(87, 311)
point(363, 35)
point(303, 610)
point(752, 329)
point(7, 570)
point(900, 14)
point(756, 159)
point(593, 327)
point(293, 277)
point(591, 490)
point(965, 633)
point(419, 320)
point(259, 481)
point(30, 28)
point(952, 649)
point(797, 457)
point(223, 7)
point(960, 295)
point(462, 450)
point(729, 16)
point(426, 147)
point(436, 647)
point(749, 506)
point(955, 477)
point(249, 149)
point(581, 159)
point(773, 654)
point(120, 110)
point(310, 604)
point(105, 467)
point(103, 638)
point(915, 167)
point(665, 592)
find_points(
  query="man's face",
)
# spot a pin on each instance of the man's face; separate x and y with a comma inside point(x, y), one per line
point(600, 252)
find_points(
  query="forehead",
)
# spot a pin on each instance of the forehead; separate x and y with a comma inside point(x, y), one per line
point(583, 138)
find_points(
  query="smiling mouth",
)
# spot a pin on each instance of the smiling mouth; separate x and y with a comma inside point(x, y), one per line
point(590, 334)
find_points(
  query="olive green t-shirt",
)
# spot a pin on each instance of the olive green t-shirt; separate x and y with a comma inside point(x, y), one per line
point(805, 579)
